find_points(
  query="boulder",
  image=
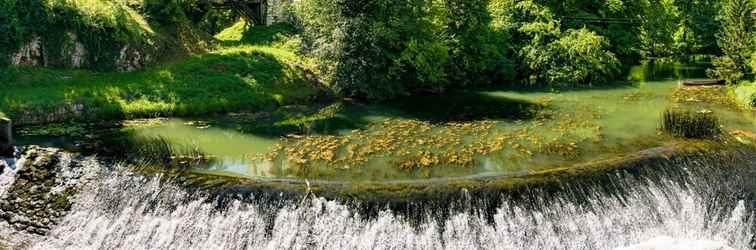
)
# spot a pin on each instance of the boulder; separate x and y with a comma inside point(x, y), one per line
point(6, 137)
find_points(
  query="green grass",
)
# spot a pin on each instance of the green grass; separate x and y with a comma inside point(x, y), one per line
point(745, 94)
point(239, 77)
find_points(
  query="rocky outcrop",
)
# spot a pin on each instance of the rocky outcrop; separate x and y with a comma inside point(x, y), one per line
point(30, 54)
point(130, 59)
point(72, 53)
point(44, 182)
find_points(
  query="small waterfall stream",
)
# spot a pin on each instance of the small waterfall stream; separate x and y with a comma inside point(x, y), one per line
point(124, 210)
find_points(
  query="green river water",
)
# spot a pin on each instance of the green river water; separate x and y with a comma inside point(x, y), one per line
point(478, 133)
point(487, 132)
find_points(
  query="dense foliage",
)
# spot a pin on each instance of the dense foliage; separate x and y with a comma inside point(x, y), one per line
point(105, 27)
point(381, 49)
point(736, 39)
point(101, 27)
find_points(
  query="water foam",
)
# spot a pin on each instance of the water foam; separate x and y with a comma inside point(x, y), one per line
point(123, 210)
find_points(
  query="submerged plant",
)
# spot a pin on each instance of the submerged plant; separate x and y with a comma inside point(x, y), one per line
point(60, 129)
point(689, 124)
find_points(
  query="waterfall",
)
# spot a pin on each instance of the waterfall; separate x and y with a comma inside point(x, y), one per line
point(124, 210)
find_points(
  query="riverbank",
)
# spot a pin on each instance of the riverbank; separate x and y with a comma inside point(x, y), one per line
point(237, 76)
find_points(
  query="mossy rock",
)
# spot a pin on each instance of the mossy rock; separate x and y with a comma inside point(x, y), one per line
point(42, 191)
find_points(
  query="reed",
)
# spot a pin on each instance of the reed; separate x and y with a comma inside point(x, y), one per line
point(158, 150)
point(690, 124)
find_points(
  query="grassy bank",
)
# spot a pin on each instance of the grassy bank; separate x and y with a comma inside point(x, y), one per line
point(745, 94)
point(240, 75)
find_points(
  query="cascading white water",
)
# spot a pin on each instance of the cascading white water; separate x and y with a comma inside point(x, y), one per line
point(122, 210)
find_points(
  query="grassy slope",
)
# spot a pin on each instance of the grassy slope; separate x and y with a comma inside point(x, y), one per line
point(243, 74)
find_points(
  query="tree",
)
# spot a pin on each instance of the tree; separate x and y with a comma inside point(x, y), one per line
point(475, 51)
point(660, 22)
point(580, 56)
point(735, 40)
point(549, 55)
point(375, 49)
point(698, 28)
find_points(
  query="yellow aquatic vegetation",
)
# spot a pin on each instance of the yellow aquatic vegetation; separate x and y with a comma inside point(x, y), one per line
point(703, 94)
point(413, 144)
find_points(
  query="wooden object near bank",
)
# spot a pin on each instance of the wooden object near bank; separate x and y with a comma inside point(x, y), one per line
point(702, 82)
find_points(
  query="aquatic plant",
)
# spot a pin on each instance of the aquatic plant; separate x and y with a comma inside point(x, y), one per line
point(689, 124)
point(59, 129)
point(708, 95)
point(159, 150)
point(414, 144)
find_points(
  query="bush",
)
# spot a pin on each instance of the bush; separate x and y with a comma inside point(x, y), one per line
point(689, 124)
point(753, 63)
point(745, 94)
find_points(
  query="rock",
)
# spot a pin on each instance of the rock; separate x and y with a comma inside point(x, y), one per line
point(42, 191)
point(131, 59)
point(6, 137)
point(30, 54)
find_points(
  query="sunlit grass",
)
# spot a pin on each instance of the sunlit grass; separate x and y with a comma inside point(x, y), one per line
point(239, 77)
point(745, 94)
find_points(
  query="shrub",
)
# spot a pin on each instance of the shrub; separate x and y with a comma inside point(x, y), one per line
point(745, 94)
point(102, 27)
point(726, 68)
